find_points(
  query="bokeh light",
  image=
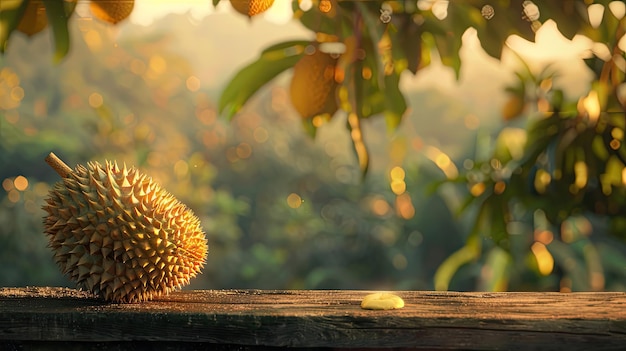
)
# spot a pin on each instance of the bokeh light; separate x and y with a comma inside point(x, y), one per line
point(294, 200)
point(325, 6)
point(545, 261)
point(193, 83)
point(404, 206)
point(20, 183)
point(95, 100)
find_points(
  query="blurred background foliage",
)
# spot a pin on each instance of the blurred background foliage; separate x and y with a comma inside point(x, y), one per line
point(339, 173)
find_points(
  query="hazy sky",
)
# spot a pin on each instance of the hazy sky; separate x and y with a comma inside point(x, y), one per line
point(550, 46)
point(479, 91)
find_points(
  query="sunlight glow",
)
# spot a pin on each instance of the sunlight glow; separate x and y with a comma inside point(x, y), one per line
point(542, 180)
point(514, 139)
point(621, 44)
point(280, 12)
point(531, 11)
point(193, 83)
point(95, 100)
point(13, 196)
point(550, 43)
point(399, 261)
point(379, 206)
point(440, 9)
point(596, 12)
point(398, 186)
point(397, 173)
point(181, 169)
point(425, 5)
point(325, 6)
point(580, 171)
point(477, 189)
point(487, 12)
point(305, 5)
point(575, 228)
point(544, 236)
point(148, 11)
point(294, 200)
point(20, 183)
point(618, 9)
point(7, 184)
point(601, 51)
point(404, 206)
point(442, 161)
point(591, 104)
point(545, 261)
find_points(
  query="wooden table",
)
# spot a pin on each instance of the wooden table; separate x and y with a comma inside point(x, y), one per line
point(60, 318)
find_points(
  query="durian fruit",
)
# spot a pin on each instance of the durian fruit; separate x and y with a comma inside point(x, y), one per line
point(112, 11)
point(251, 7)
point(513, 108)
point(119, 234)
point(313, 84)
point(34, 19)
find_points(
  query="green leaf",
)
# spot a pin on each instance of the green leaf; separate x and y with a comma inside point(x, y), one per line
point(358, 144)
point(318, 21)
point(11, 11)
point(508, 20)
point(468, 201)
point(599, 148)
point(568, 16)
point(470, 252)
point(373, 35)
point(409, 40)
point(215, 2)
point(575, 268)
point(273, 61)
point(613, 260)
point(289, 47)
point(446, 271)
point(499, 213)
point(70, 5)
point(381, 85)
point(499, 262)
point(309, 128)
point(394, 102)
point(449, 31)
point(448, 48)
point(370, 97)
point(57, 18)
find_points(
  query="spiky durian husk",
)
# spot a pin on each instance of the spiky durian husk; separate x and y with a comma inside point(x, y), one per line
point(251, 8)
point(120, 235)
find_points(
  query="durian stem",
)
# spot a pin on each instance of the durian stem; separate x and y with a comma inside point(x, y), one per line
point(58, 165)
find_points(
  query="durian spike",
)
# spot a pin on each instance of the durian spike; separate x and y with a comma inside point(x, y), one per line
point(58, 165)
point(120, 235)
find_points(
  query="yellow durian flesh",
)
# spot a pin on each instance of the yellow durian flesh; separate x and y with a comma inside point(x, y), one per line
point(120, 235)
point(382, 301)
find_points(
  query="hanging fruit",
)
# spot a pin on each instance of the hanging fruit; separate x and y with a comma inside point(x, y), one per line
point(111, 11)
point(34, 19)
point(313, 84)
point(251, 7)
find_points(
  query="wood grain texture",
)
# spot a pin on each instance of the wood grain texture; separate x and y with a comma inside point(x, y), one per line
point(314, 319)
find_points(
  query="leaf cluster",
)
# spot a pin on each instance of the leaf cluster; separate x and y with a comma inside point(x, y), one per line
point(567, 163)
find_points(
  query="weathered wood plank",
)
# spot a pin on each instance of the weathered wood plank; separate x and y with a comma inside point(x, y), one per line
point(313, 319)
